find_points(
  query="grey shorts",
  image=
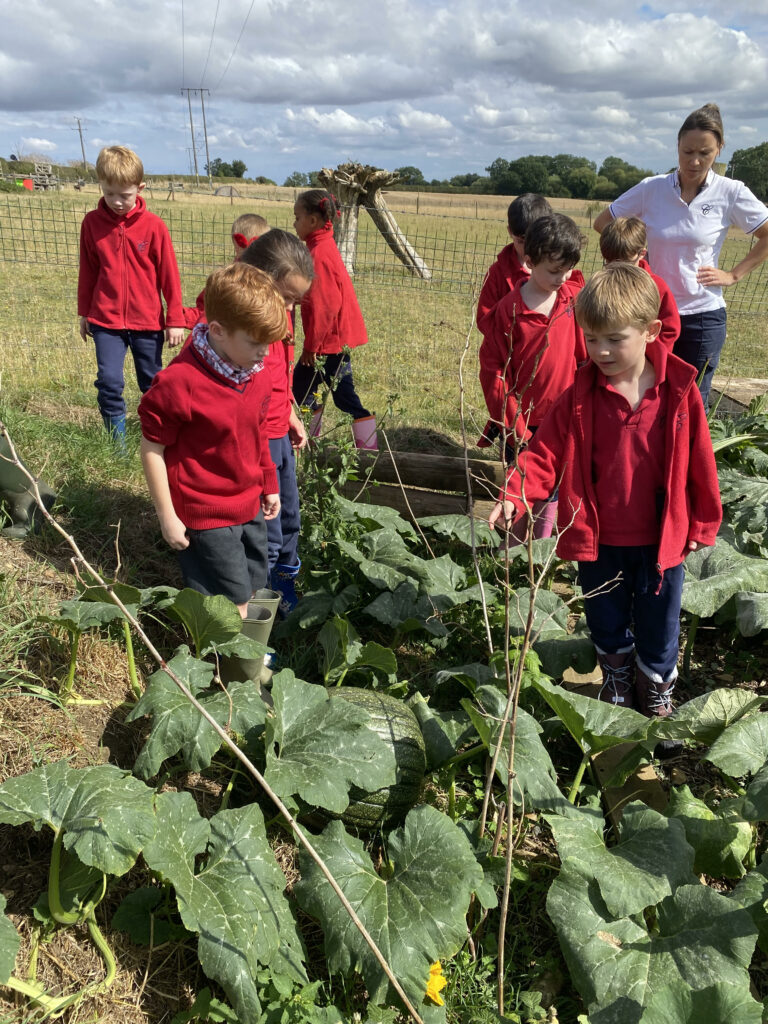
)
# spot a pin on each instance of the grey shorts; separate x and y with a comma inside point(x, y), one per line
point(227, 560)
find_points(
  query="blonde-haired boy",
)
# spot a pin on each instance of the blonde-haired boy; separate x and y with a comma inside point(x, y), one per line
point(629, 445)
point(126, 262)
point(624, 239)
point(204, 448)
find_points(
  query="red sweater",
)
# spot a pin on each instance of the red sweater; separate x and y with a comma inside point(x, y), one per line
point(501, 278)
point(330, 313)
point(126, 264)
point(668, 314)
point(216, 448)
point(562, 450)
point(527, 359)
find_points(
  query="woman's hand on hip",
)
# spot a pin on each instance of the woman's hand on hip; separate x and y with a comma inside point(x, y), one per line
point(714, 277)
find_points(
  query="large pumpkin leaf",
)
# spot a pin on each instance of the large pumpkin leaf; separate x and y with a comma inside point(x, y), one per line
point(235, 903)
point(594, 724)
point(742, 747)
point(319, 745)
point(721, 840)
point(343, 651)
point(415, 909)
point(562, 649)
point(754, 804)
point(9, 944)
point(719, 1002)
point(444, 731)
point(107, 815)
point(745, 501)
point(715, 574)
point(462, 528)
point(406, 610)
point(694, 939)
point(751, 613)
point(210, 621)
point(177, 726)
point(649, 861)
point(372, 515)
point(380, 574)
point(751, 893)
point(535, 777)
point(79, 616)
point(705, 717)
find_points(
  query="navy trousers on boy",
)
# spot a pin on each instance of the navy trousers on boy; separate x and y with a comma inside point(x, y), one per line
point(634, 610)
point(283, 532)
point(337, 374)
point(111, 349)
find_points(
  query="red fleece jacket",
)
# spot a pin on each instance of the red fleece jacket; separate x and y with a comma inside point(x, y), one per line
point(668, 314)
point(561, 452)
point(527, 359)
point(126, 264)
point(330, 313)
point(216, 449)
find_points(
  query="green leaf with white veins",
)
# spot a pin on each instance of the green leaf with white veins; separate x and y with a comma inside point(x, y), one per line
point(318, 746)
point(106, 815)
point(705, 717)
point(415, 909)
point(210, 621)
point(714, 1003)
point(742, 747)
point(721, 840)
point(341, 646)
point(751, 613)
point(594, 724)
point(9, 944)
point(650, 860)
point(713, 575)
point(177, 726)
point(235, 903)
point(695, 938)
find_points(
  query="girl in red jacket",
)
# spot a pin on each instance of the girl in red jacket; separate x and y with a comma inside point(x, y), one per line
point(331, 318)
point(628, 443)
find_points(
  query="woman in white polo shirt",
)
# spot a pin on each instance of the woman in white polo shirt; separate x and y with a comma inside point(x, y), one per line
point(687, 214)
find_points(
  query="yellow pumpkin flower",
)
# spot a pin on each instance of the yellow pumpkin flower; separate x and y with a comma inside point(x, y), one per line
point(436, 983)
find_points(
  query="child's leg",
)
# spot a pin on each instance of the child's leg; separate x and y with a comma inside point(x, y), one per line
point(306, 381)
point(657, 628)
point(111, 347)
point(283, 532)
point(337, 373)
point(147, 351)
point(227, 560)
point(610, 582)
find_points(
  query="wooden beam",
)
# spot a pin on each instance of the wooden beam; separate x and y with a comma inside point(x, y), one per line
point(438, 472)
point(422, 503)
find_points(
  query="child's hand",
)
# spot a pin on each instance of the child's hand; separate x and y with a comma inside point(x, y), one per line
point(271, 505)
point(296, 432)
point(174, 532)
point(84, 332)
point(174, 336)
point(308, 358)
point(692, 545)
point(503, 513)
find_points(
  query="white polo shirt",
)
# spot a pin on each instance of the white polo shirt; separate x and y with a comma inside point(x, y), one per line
point(682, 237)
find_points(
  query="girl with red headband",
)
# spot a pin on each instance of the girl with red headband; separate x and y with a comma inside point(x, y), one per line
point(331, 318)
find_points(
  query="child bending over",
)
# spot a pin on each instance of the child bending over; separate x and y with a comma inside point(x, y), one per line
point(126, 262)
point(624, 239)
point(628, 443)
point(204, 445)
point(331, 318)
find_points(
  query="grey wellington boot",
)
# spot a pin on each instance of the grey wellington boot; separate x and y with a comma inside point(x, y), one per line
point(18, 497)
point(257, 625)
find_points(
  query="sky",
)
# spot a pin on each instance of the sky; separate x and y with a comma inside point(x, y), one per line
point(445, 87)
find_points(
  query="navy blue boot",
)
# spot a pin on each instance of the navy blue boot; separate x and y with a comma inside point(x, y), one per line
point(283, 580)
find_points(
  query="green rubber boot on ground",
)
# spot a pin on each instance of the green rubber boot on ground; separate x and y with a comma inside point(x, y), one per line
point(17, 497)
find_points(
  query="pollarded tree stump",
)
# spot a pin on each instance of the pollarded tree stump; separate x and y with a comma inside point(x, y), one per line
point(360, 185)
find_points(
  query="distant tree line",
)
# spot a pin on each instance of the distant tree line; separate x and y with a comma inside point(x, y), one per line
point(562, 176)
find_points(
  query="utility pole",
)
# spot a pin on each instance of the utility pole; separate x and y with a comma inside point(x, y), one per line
point(82, 144)
point(192, 130)
point(205, 133)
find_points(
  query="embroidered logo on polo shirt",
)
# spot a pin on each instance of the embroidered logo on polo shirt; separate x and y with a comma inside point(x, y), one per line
point(141, 246)
point(706, 208)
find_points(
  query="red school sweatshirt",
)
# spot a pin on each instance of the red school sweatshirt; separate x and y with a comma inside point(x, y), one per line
point(668, 313)
point(216, 449)
point(528, 359)
point(561, 453)
point(127, 266)
point(330, 312)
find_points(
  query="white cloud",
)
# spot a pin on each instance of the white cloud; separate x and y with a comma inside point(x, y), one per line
point(38, 145)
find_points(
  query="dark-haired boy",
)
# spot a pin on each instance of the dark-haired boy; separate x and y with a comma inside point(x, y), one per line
point(510, 266)
point(629, 445)
point(624, 240)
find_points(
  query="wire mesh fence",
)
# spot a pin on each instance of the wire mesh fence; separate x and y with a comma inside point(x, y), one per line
point(418, 328)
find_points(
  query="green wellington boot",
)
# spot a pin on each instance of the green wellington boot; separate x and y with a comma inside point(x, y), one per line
point(18, 498)
point(257, 625)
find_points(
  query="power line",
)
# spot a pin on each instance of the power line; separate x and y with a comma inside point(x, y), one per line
point(237, 43)
point(210, 45)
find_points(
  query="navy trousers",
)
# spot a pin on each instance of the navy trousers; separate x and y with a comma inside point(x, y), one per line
point(337, 374)
point(111, 348)
point(701, 340)
point(283, 532)
point(631, 611)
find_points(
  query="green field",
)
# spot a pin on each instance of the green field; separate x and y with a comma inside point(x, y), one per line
point(418, 330)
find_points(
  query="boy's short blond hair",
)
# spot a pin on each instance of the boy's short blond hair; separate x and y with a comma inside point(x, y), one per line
point(620, 295)
point(119, 165)
point(623, 239)
point(251, 225)
point(240, 297)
